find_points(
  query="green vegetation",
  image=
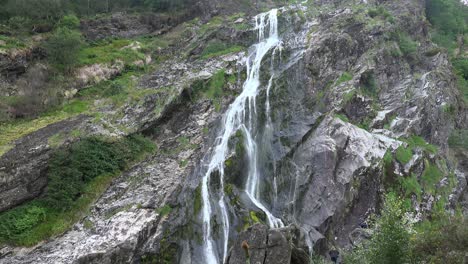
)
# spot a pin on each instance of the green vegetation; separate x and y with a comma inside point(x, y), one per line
point(390, 242)
point(165, 210)
point(408, 46)
point(197, 200)
point(42, 11)
point(252, 218)
point(63, 47)
point(76, 178)
point(12, 131)
point(110, 50)
point(449, 19)
point(404, 155)
point(410, 185)
point(215, 49)
point(459, 139)
point(343, 117)
point(430, 177)
point(346, 76)
point(380, 12)
point(419, 142)
point(211, 89)
point(442, 239)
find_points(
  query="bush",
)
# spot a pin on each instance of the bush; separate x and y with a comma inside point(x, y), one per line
point(70, 22)
point(442, 240)
point(407, 46)
point(63, 48)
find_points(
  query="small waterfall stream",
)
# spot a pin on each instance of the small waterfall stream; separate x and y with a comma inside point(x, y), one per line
point(241, 114)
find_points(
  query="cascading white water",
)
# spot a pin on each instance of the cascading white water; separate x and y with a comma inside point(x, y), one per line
point(235, 119)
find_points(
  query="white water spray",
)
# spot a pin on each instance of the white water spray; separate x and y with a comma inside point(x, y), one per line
point(235, 119)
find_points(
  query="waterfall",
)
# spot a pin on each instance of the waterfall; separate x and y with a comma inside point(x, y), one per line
point(237, 117)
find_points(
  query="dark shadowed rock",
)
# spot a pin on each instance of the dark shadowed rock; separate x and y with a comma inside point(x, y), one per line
point(259, 244)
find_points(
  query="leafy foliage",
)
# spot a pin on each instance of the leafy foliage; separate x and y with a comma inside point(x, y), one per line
point(444, 239)
point(63, 47)
point(404, 155)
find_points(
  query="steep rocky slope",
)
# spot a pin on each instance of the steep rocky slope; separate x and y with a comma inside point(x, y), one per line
point(346, 97)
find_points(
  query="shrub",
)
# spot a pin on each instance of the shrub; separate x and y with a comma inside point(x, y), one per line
point(404, 155)
point(410, 185)
point(63, 48)
point(444, 239)
point(70, 22)
point(407, 46)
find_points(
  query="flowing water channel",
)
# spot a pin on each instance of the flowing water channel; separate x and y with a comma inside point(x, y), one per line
point(241, 115)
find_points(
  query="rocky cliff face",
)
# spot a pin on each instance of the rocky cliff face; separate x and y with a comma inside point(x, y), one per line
point(345, 95)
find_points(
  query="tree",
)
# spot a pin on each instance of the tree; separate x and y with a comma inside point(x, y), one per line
point(390, 242)
point(63, 48)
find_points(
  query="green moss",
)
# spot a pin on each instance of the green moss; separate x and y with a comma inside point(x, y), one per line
point(165, 210)
point(56, 140)
point(197, 201)
point(369, 84)
point(107, 51)
point(183, 163)
point(212, 89)
point(215, 49)
point(404, 155)
point(419, 142)
point(7, 43)
point(343, 117)
point(346, 76)
point(252, 218)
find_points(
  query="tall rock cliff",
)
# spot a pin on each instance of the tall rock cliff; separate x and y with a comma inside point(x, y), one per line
point(337, 98)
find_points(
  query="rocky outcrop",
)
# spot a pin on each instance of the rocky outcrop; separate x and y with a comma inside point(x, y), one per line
point(259, 244)
point(335, 184)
